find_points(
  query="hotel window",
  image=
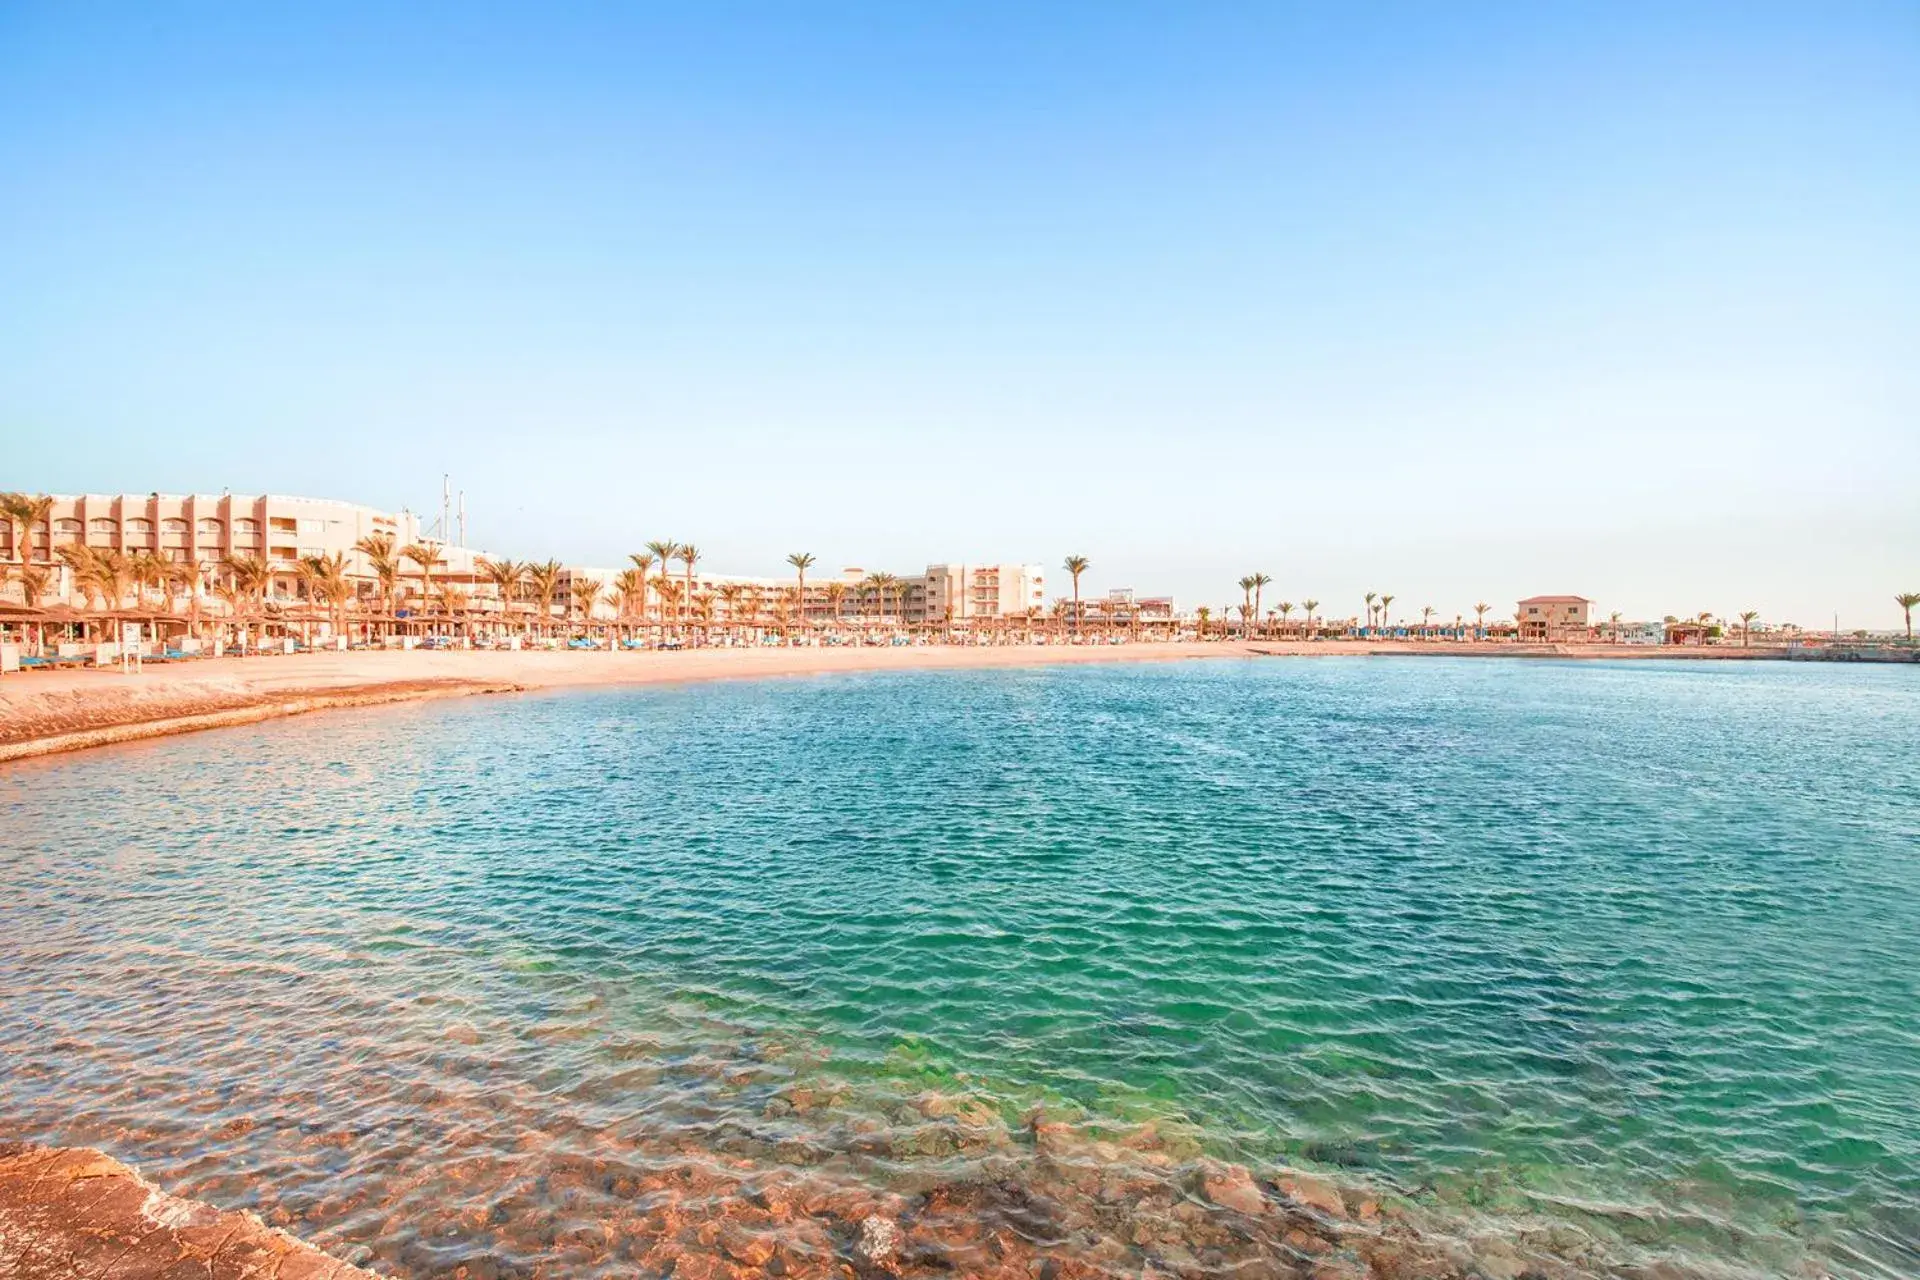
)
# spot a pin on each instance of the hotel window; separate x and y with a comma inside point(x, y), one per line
point(137, 525)
point(173, 526)
point(66, 526)
point(102, 526)
point(244, 525)
point(313, 526)
point(209, 528)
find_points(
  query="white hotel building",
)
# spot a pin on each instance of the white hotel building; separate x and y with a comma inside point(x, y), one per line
point(282, 530)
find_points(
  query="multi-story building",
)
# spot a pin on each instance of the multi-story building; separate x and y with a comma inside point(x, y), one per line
point(960, 592)
point(203, 528)
point(1553, 619)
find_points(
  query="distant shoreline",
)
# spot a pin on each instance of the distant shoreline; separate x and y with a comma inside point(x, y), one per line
point(47, 713)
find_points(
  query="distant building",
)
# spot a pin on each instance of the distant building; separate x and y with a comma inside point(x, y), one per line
point(1553, 619)
point(1124, 605)
point(957, 592)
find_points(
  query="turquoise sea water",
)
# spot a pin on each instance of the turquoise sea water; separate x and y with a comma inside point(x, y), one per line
point(1623, 954)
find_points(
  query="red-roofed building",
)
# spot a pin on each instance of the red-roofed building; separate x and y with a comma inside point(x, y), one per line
point(1553, 619)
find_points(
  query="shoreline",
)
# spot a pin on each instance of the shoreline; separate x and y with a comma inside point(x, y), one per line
point(57, 712)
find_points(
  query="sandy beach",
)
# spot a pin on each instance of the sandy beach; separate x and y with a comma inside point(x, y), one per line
point(42, 713)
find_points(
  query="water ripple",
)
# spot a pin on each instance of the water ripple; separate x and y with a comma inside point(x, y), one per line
point(1613, 963)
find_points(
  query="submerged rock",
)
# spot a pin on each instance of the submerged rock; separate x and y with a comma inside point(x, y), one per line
point(1314, 1193)
point(1233, 1188)
point(879, 1243)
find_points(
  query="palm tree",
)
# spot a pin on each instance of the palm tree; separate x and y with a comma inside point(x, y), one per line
point(453, 603)
point(34, 579)
point(90, 575)
point(801, 562)
point(378, 549)
point(1371, 597)
point(230, 593)
point(730, 594)
point(306, 571)
point(337, 587)
point(1426, 617)
point(505, 575)
point(143, 567)
point(1907, 600)
point(836, 595)
point(177, 578)
point(199, 583)
point(425, 555)
point(39, 511)
point(881, 583)
point(21, 512)
point(1260, 580)
point(642, 561)
point(1201, 615)
point(244, 587)
point(1385, 600)
point(628, 587)
point(1480, 617)
point(544, 579)
point(668, 592)
point(688, 555)
point(13, 512)
point(662, 552)
point(586, 594)
point(1076, 565)
point(1309, 606)
point(1613, 623)
point(1246, 599)
point(325, 578)
point(1286, 607)
point(99, 573)
point(1746, 627)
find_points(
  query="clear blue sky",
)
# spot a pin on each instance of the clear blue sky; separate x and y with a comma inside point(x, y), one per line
point(1455, 301)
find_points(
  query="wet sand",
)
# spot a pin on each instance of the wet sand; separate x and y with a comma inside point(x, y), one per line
point(42, 713)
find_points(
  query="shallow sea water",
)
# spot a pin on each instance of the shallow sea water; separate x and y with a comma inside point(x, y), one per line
point(1594, 968)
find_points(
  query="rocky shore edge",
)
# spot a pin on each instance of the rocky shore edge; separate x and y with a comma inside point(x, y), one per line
point(72, 1212)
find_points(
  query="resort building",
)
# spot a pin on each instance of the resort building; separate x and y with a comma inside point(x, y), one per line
point(203, 528)
point(1123, 606)
point(1554, 619)
point(959, 592)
